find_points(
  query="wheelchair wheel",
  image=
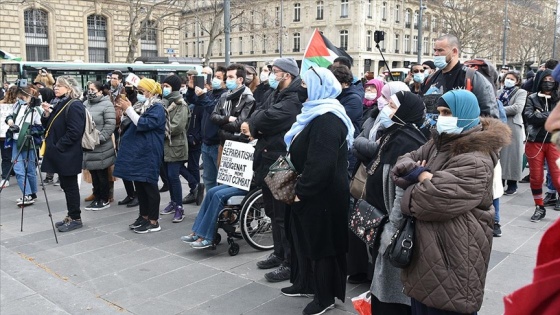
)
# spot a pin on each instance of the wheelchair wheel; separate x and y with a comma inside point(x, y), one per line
point(256, 226)
point(233, 249)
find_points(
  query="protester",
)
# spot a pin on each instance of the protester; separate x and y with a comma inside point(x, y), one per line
point(141, 151)
point(98, 161)
point(448, 189)
point(415, 78)
point(263, 90)
point(369, 103)
point(6, 108)
point(252, 80)
point(65, 124)
point(318, 144)
point(131, 200)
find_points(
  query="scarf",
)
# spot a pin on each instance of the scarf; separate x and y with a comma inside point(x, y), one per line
point(507, 94)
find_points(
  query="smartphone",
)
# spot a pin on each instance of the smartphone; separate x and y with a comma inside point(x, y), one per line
point(208, 79)
point(199, 81)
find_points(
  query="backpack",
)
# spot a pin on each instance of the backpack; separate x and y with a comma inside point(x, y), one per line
point(468, 86)
point(90, 139)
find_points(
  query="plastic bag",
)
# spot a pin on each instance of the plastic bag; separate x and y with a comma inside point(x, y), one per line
point(362, 303)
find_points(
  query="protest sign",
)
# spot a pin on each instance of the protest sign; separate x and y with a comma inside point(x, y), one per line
point(236, 165)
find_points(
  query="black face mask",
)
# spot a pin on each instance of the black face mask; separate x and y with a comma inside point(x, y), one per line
point(547, 86)
point(302, 94)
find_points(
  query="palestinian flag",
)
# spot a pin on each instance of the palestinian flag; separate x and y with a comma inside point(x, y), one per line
point(320, 52)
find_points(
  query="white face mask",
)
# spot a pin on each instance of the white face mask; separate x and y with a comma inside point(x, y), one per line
point(509, 83)
point(264, 76)
point(448, 124)
point(370, 96)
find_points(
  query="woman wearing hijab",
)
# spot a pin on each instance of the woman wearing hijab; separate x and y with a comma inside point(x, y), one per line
point(141, 151)
point(372, 93)
point(448, 189)
point(400, 119)
point(318, 144)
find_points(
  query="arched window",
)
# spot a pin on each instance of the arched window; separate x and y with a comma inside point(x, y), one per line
point(344, 40)
point(36, 34)
point(149, 39)
point(97, 38)
point(297, 42)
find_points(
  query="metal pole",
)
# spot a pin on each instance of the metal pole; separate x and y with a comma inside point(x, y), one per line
point(227, 26)
point(420, 26)
point(280, 35)
point(504, 44)
point(554, 41)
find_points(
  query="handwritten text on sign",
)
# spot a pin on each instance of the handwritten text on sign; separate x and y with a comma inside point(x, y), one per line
point(236, 165)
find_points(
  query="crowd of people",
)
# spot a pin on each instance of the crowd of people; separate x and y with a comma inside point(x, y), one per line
point(441, 147)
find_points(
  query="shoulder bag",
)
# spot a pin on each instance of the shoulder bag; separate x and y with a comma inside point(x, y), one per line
point(43, 148)
point(399, 251)
point(281, 180)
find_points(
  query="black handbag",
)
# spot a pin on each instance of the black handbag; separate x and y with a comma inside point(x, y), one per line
point(366, 221)
point(399, 251)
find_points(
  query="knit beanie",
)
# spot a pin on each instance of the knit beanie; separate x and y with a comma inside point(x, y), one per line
point(150, 86)
point(288, 65)
point(463, 105)
point(175, 82)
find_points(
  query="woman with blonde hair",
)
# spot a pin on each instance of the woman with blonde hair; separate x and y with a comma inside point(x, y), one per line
point(141, 151)
point(64, 120)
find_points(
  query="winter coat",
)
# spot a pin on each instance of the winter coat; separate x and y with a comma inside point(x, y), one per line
point(141, 147)
point(176, 149)
point(103, 155)
point(208, 102)
point(351, 98)
point(242, 105)
point(364, 148)
point(270, 123)
point(261, 94)
point(537, 109)
point(454, 216)
point(511, 156)
point(319, 153)
point(194, 132)
point(64, 153)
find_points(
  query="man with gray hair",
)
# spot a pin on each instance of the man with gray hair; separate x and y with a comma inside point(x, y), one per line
point(453, 75)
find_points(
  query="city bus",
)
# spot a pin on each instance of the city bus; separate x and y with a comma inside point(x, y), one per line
point(89, 72)
point(398, 74)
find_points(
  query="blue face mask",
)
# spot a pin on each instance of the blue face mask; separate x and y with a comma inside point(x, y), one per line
point(231, 84)
point(216, 84)
point(166, 91)
point(418, 77)
point(272, 81)
point(141, 98)
point(384, 118)
point(440, 61)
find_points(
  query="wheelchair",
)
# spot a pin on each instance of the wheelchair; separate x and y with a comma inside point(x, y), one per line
point(243, 217)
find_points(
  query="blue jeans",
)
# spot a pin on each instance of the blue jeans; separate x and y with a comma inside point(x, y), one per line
point(23, 162)
point(174, 182)
point(496, 203)
point(205, 223)
point(191, 172)
point(210, 160)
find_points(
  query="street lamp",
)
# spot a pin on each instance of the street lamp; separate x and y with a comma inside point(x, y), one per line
point(281, 30)
point(504, 44)
point(555, 13)
point(420, 29)
point(227, 26)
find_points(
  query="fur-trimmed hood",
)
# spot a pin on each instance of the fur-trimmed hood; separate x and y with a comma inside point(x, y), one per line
point(489, 136)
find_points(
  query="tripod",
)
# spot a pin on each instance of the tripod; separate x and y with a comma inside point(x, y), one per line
point(29, 144)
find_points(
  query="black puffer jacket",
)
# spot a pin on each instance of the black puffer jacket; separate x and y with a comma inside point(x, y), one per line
point(270, 123)
point(537, 109)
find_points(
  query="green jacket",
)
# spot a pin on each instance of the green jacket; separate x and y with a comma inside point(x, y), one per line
point(176, 149)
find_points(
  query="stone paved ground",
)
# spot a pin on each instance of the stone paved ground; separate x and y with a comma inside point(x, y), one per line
point(104, 268)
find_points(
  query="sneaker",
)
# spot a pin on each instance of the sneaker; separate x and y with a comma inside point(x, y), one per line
point(550, 199)
point(525, 180)
point(169, 209)
point(125, 201)
point(5, 183)
point(133, 203)
point(497, 230)
point(314, 308)
point(60, 223)
point(91, 205)
point(148, 227)
point(189, 238)
point(293, 291)
point(138, 223)
point(48, 181)
point(57, 183)
point(190, 198)
point(280, 274)
point(201, 244)
point(510, 192)
point(70, 225)
point(179, 214)
point(199, 194)
point(272, 261)
point(540, 213)
point(100, 205)
point(27, 200)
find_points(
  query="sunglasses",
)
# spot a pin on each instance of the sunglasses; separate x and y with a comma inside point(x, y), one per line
point(417, 71)
point(320, 80)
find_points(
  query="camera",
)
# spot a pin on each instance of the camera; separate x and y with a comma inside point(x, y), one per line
point(378, 36)
point(34, 102)
point(14, 128)
point(21, 83)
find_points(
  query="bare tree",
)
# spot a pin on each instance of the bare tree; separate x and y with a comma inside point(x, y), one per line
point(473, 22)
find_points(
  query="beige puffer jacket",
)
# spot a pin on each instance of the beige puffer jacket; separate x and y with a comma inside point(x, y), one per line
point(454, 216)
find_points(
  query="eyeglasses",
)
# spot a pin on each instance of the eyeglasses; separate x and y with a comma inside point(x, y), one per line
point(417, 71)
point(320, 80)
point(277, 71)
